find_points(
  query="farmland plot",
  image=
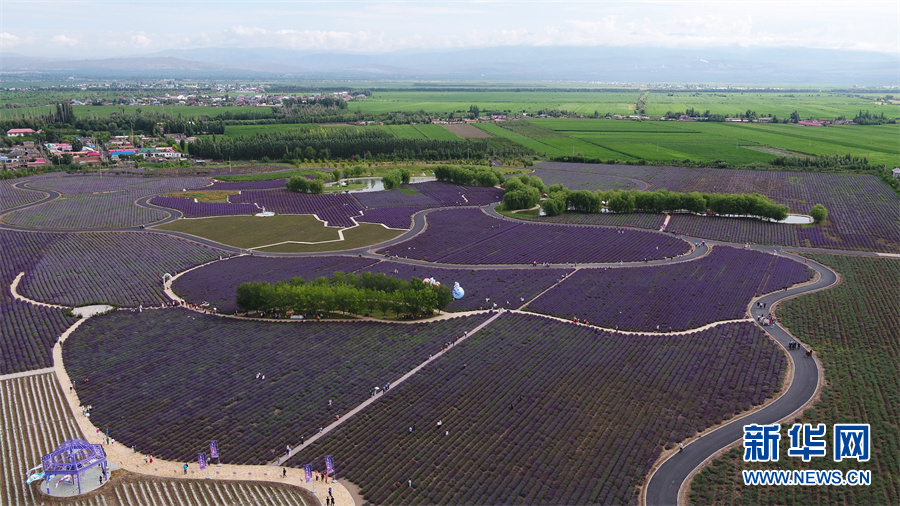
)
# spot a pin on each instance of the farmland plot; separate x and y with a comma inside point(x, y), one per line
point(675, 297)
point(170, 380)
point(35, 420)
point(468, 236)
point(519, 428)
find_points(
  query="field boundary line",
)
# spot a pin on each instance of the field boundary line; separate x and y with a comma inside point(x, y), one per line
point(33, 372)
point(134, 462)
point(334, 425)
point(13, 289)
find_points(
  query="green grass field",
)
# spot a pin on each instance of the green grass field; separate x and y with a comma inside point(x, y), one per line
point(308, 233)
point(782, 104)
point(666, 140)
point(531, 101)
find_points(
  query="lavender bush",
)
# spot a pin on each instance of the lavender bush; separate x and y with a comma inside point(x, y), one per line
point(13, 197)
point(863, 212)
point(469, 236)
point(674, 297)
point(169, 380)
point(535, 411)
point(505, 287)
point(122, 268)
point(192, 209)
point(336, 209)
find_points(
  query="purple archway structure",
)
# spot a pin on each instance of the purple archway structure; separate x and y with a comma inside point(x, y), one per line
point(73, 458)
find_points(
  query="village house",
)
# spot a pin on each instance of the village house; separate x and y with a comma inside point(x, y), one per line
point(20, 132)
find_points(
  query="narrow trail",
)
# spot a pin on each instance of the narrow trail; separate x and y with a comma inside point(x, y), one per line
point(337, 423)
point(667, 484)
point(14, 291)
point(139, 463)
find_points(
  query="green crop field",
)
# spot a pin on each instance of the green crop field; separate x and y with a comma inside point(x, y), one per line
point(666, 140)
point(511, 101)
point(807, 104)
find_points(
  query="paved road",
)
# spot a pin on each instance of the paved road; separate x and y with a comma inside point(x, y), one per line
point(664, 485)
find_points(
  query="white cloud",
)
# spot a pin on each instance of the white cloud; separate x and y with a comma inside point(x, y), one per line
point(64, 40)
point(9, 40)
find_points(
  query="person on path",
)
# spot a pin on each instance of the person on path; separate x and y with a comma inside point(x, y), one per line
point(284, 472)
point(681, 448)
point(185, 468)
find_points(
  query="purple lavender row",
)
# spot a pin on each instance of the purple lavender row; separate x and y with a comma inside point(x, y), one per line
point(13, 197)
point(217, 283)
point(248, 185)
point(140, 186)
point(863, 212)
point(121, 268)
point(29, 333)
point(191, 209)
point(448, 195)
point(739, 230)
point(335, 208)
point(252, 386)
point(392, 217)
point(651, 221)
point(87, 211)
point(395, 198)
point(672, 297)
point(509, 288)
point(547, 431)
point(575, 180)
point(469, 236)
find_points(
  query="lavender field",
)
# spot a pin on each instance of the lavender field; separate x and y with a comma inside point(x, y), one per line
point(469, 236)
point(649, 221)
point(518, 428)
point(217, 283)
point(95, 185)
point(483, 287)
point(391, 217)
point(575, 180)
point(674, 297)
point(190, 208)
point(86, 211)
point(337, 209)
point(13, 197)
point(120, 268)
point(863, 212)
point(170, 380)
point(737, 230)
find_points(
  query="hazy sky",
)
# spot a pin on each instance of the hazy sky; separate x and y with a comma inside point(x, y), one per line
point(105, 28)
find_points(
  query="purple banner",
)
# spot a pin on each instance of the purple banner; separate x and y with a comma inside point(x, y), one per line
point(329, 465)
point(201, 458)
point(307, 470)
point(213, 450)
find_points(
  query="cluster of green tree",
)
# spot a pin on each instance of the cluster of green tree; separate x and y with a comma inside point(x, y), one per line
point(640, 106)
point(345, 143)
point(706, 115)
point(560, 199)
point(193, 126)
point(301, 184)
point(468, 175)
point(825, 163)
point(348, 293)
point(890, 180)
point(395, 178)
point(522, 192)
point(867, 118)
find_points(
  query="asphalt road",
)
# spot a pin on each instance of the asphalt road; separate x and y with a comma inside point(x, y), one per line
point(664, 485)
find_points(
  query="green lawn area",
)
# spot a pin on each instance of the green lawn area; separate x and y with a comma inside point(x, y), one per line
point(365, 234)
point(253, 232)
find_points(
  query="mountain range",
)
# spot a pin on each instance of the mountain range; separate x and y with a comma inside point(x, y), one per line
point(726, 65)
